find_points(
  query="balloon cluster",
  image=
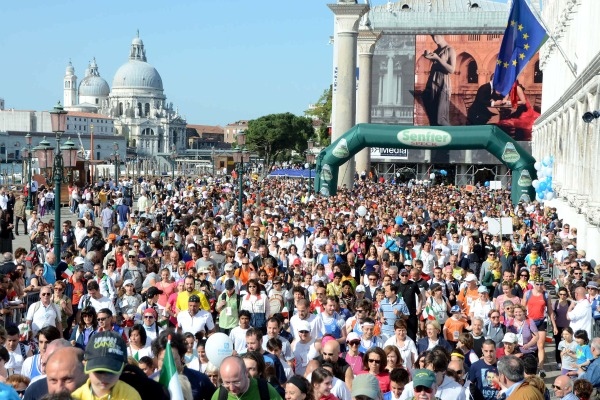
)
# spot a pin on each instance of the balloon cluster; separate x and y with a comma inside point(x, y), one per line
point(443, 172)
point(543, 185)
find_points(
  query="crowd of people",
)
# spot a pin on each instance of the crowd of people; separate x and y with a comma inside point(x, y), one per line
point(386, 291)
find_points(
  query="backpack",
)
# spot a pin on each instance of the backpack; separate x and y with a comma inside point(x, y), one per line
point(276, 304)
point(263, 390)
point(33, 257)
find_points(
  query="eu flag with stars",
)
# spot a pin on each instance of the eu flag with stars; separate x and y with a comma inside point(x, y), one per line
point(523, 37)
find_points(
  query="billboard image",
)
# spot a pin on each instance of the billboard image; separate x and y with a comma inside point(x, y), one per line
point(452, 85)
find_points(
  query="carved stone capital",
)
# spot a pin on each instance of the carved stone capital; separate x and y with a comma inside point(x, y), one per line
point(367, 40)
point(347, 16)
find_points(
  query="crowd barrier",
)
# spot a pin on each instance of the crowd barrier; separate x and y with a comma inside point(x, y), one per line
point(18, 314)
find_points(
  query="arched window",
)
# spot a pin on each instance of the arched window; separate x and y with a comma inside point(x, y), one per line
point(538, 75)
point(120, 109)
point(472, 76)
point(139, 105)
point(146, 109)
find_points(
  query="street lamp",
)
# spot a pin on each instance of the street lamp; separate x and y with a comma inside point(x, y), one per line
point(173, 158)
point(212, 157)
point(28, 156)
point(57, 159)
point(310, 159)
point(116, 154)
point(240, 155)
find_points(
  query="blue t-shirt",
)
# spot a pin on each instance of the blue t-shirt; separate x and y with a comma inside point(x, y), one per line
point(583, 353)
point(482, 375)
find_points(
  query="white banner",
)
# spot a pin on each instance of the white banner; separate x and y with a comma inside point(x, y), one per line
point(381, 153)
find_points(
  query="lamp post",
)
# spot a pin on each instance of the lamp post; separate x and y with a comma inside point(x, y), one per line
point(116, 154)
point(212, 157)
point(29, 157)
point(58, 159)
point(173, 159)
point(240, 155)
point(310, 159)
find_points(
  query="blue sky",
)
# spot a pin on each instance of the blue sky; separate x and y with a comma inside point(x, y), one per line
point(220, 60)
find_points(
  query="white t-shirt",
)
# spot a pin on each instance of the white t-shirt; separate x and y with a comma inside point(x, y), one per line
point(202, 321)
point(42, 316)
point(238, 337)
point(15, 361)
point(300, 351)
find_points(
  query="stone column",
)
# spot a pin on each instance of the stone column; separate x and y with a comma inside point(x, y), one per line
point(347, 16)
point(366, 46)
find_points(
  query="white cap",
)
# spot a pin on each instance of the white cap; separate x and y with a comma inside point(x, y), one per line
point(360, 289)
point(470, 278)
point(78, 261)
point(303, 325)
point(482, 289)
point(352, 336)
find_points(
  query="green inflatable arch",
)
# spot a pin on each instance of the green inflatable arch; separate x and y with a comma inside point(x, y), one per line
point(488, 137)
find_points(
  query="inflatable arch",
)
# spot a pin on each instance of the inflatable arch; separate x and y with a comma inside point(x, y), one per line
point(488, 137)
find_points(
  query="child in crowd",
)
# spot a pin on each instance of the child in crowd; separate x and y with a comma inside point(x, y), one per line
point(583, 352)
point(568, 348)
point(454, 326)
point(399, 377)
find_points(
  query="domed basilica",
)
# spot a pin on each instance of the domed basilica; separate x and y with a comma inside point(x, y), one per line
point(137, 103)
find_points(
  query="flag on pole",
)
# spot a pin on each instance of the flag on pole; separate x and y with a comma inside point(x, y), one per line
point(523, 37)
point(67, 273)
point(428, 313)
point(168, 374)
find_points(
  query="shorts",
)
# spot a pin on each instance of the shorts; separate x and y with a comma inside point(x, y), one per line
point(541, 324)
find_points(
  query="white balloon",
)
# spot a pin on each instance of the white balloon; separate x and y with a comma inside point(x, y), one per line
point(537, 165)
point(548, 171)
point(535, 183)
point(549, 195)
point(362, 211)
point(541, 175)
point(218, 347)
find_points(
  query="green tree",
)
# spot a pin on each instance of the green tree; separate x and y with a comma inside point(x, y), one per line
point(322, 111)
point(275, 136)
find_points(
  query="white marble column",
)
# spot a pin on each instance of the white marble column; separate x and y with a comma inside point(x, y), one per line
point(347, 16)
point(366, 46)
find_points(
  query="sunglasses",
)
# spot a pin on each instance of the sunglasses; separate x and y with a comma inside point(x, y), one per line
point(131, 257)
point(148, 316)
point(354, 343)
point(102, 319)
point(556, 387)
point(45, 294)
point(371, 360)
point(459, 372)
point(304, 332)
point(425, 389)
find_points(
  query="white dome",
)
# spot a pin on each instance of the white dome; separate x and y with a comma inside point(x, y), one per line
point(137, 74)
point(93, 86)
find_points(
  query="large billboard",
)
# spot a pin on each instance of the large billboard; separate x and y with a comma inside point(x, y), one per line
point(409, 85)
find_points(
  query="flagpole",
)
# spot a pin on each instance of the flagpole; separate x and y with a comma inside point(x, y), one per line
point(560, 50)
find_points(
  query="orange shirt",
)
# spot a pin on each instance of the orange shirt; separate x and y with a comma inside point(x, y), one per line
point(77, 290)
point(242, 274)
point(453, 328)
point(465, 300)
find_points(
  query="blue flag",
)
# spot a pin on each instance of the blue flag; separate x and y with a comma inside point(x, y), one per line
point(523, 37)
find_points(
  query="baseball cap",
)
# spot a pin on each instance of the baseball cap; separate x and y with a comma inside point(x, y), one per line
point(404, 271)
point(482, 289)
point(106, 352)
point(153, 291)
point(360, 289)
point(297, 261)
point(303, 326)
point(112, 236)
point(352, 336)
point(592, 284)
point(132, 253)
point(510, 337)
point(150, 311)
point(470, 278)
point(246, 241)
point(128, 282)
point(79, 261)
point(538, 279)
point(438, 247)
point(455, 309)
point(367, 385)
point(421, 377)
point(228, 267)
point(194, 299)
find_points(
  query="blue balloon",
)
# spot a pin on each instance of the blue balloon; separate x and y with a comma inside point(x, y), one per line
point(487, 184)
point(542, 186)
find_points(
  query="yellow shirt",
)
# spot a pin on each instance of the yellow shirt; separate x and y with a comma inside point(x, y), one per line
point(182, 300)
point(121, 391)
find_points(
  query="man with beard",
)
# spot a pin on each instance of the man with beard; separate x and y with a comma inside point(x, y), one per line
point(190, 290)
point(483, 373)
